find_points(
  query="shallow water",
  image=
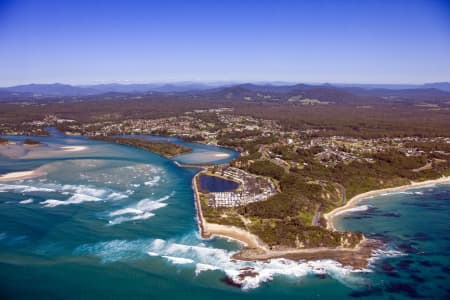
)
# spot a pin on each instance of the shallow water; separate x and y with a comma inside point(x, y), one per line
point(118, 222)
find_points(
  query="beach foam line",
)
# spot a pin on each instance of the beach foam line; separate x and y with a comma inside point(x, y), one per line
point(354, 209)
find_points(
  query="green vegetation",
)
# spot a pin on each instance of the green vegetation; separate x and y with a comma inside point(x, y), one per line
point(266, 168)
point(220, 215)
point(162, 148)
point(286, 219)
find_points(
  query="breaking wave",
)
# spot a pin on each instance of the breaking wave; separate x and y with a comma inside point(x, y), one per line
point(77, 193)
point(82, 193)
point(202, 258)
point(140, 211)
point(407, 192)
point(126, 177)
point(27, 201)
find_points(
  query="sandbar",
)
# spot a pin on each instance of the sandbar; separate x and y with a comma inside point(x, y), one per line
point(21, 175)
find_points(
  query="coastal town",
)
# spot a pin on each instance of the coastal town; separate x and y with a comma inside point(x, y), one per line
point(220, 126)
point(251, 188)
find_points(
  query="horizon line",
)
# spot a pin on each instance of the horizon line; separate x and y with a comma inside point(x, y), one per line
point(218, 83)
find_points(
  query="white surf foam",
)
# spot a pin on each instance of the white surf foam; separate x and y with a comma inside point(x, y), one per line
point(82, 193)
point(75, 199)
point(114, 250)
point(77, 193)
point(354, 209)
point(202, 258)
point(178, 260)
point(153, 181)
point(120, 220)
point(208, 259)
point(409, 192)
point(140, 211)
point(204, 267)
point(21, 188)
point(27, 201)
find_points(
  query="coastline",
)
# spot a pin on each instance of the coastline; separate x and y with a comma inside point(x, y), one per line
point(330, 217)
point(256, 250)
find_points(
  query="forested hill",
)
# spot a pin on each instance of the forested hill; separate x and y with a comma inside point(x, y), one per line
point(361, 112)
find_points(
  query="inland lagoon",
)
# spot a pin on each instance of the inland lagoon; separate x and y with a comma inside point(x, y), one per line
point(208, 183)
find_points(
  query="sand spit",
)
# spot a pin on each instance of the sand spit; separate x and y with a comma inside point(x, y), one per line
point(21, 175)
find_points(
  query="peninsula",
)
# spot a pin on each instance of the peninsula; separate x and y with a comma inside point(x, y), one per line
point(165, 149)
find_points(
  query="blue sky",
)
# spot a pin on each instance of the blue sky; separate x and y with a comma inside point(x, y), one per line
point(82, 42)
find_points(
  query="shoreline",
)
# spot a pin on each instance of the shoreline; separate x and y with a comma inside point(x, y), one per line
point(256, 250)
point(330, 217)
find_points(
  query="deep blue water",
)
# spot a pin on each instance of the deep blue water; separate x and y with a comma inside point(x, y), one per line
point(114, 222)
point(216, 184)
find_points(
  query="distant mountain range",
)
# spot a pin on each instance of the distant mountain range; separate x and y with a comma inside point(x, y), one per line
point(325, 92)
point(59, 89)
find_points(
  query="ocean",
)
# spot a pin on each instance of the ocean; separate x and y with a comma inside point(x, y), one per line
point(114, 222)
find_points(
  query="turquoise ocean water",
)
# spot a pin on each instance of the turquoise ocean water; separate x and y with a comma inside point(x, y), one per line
point(114, 222)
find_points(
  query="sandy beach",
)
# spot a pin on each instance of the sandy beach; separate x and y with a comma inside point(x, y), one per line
point(21, 175)
point(330, 217)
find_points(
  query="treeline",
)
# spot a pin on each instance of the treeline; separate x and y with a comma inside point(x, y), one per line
point(374, 121)
point(429, 146)
point(266, 168)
